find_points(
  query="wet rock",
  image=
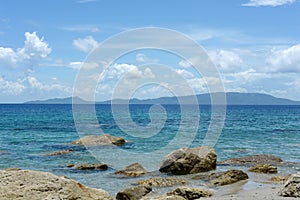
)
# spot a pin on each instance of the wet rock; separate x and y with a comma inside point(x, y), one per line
point(134, 193)
point(228, 177)
point(292, 186)
point(189, 161)
point(189, 193)
point(162, 182)
point(252, 160)
point(86, 166)
point(99, 140)
point(62, 152)
point(35, 185)
point(264, 168)
point(134, 169)
point(277, 179)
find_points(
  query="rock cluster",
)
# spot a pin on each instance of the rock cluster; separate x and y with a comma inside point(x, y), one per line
point(264, 168)
point(228, 177)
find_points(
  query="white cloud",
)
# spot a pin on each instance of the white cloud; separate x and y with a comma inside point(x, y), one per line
point(86, 1)
point(35, 48)
point(148, 73)
point(272, 3)
point(82, 28)
point(142, 58)
point(10, 87)
point(184, 73)
point(227, 61)
point(8, 57)
point(184, 64)
point(86, 44)
point(34, 83)
point(285, 60)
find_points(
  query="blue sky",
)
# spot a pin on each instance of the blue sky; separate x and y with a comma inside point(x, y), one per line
point(255, 44)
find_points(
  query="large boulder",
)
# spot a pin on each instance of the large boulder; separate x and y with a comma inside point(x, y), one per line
point(228, 177)
point(98, 140)
point(134, 169)
point(189, 161)
point(264, 168)
point(189, 193)
point(292, 186)
point(134, 193)
point(253, 160)
point(34, 185)
point(162, 182)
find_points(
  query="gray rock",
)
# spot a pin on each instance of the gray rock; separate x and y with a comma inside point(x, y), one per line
point(162, 182)
point(292, 186)
point(134, 169)
point(189, 161)
point(134, 193)
point(253, 160)
point(34, 185)
point(62, 152)
point(163, 197)
point(228, 177)
point(86, 166)
point(264, 168)
point(99, 140)
point(189, 193)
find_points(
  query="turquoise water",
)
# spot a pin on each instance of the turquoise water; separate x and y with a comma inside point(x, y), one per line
point(29, 132)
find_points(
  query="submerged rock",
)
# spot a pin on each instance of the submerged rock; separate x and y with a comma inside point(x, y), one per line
point(62, 152)
point(189, 193)
point(134, 193)
point(86, 166)
point(189, 161)
point(228, 177)
point(98, 140)
point(35, 185)
point(162, 182)
point(253, 160)
point(264, 168)
point(292, 186)
point(134, 169)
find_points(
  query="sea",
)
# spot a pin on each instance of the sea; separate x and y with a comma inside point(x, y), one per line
point(29, 132)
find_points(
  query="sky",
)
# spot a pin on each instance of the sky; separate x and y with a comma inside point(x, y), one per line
point(254, 44)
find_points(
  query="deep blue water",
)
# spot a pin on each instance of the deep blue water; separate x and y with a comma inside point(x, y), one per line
point(29, 132)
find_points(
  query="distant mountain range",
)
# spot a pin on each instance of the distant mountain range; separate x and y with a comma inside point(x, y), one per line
point(233, 98)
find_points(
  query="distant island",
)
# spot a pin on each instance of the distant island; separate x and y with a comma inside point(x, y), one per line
point(233, 98)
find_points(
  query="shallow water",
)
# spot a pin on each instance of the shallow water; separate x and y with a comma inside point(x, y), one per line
point(29, 132)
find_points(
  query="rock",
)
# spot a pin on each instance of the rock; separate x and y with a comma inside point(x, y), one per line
point(253, 160)
point(134, 169)
point(164, 197)
point(62, 152)
point(189, 161)
point(228, 177)
point(279, 178)
point(34, 185)
point(292, 186)
point(191, 193)
point(162, 182)
point(264, 168)
point(134, 193)
point(98, 140)
point(85, 166)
